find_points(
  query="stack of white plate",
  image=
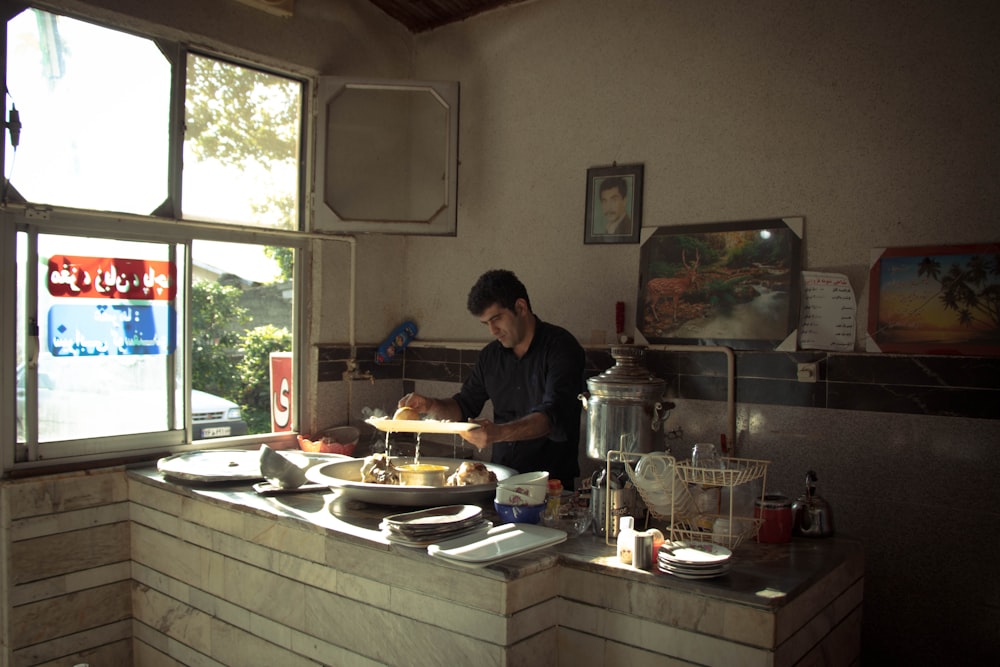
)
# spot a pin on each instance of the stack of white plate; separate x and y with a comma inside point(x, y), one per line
point(694, 560)
point(424, 527)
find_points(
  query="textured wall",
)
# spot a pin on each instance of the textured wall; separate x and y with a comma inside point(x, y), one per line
point(874, 124)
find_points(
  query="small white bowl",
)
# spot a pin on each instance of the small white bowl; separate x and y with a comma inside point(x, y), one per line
point(529, 478)
point(508, 497)
point(535, 485)
point(280, 470)
point(535, 494)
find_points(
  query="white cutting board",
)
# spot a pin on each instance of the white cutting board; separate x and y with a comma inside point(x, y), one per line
point(496, 544)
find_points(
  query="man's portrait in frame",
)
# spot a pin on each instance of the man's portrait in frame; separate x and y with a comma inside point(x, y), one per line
point(614, 204)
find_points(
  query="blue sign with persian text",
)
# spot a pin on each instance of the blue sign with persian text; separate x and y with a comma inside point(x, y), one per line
point(106, 329)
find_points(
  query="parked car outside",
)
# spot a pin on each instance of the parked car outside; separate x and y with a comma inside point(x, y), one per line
point(215, 417)
point(64, 407)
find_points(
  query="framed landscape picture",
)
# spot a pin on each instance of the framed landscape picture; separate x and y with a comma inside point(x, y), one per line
point(935, 300)
point(730, 283)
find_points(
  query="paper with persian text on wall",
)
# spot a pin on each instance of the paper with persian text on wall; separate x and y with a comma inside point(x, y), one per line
point(829, 312)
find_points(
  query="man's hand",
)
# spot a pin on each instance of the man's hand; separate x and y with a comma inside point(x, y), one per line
point(531, 426)
point(421, 404)
point(435, 408)
point(481, 437)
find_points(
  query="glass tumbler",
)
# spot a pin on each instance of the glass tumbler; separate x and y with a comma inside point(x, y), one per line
point(704, 456)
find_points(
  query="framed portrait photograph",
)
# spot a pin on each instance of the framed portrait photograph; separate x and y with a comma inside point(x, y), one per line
point(728, 283)
point(935, 300)
point(614, 204)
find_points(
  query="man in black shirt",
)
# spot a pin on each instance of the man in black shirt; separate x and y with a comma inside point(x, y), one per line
point(533, 374)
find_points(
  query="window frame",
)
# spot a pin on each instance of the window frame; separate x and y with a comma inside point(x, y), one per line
point(162, 225)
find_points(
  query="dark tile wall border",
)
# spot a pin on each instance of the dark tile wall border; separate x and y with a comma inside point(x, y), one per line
point(903, 384)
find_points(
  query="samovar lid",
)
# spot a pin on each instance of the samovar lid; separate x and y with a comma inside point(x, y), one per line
point(628, 370)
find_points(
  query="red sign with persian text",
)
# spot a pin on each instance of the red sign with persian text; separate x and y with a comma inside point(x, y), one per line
point(281, 391)
point(111, 278)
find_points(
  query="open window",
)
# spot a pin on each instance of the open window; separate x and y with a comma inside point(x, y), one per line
point(147, 245)
point(388, 157)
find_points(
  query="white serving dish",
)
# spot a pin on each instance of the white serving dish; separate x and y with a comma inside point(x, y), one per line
point(496, 544)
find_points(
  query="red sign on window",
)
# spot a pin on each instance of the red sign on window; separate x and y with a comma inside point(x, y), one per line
point(111, 278)
point(281, 391)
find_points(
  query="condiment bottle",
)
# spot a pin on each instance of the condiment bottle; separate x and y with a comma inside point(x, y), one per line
point(553, 498)
point(626, 539)
point(642, 555)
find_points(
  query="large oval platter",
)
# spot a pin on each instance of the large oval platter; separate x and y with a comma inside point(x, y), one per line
point(233, 465)
point(345, 476)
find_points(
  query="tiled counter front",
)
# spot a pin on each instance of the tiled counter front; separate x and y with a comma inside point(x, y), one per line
point(222, 584)
point(638, 618)
point(220, 581)
point(65, 593)
point(116, 567)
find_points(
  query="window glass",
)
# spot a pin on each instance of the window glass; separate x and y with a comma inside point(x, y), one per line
point(107, 338)
point(137, 337)
point(241, 145)
point(241, 313)
point(94, 107)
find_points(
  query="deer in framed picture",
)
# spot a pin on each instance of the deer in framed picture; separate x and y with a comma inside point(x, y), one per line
point(660, 291)
point(733, 284)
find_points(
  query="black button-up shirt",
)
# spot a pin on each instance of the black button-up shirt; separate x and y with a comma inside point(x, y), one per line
point(548, 379)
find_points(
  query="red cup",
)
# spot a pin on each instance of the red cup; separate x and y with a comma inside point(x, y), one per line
point(776, 511)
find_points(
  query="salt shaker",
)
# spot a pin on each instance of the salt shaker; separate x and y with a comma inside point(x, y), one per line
point(626, 540)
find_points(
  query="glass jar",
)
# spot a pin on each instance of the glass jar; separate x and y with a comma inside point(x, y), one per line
point(776, 512)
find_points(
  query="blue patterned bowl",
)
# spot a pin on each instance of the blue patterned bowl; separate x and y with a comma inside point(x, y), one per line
point(519, 513)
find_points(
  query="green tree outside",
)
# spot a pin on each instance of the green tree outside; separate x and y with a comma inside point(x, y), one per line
point(239, 116)
point(216, 322)
point(255, 374)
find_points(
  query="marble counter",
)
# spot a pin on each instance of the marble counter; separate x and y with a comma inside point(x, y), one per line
point(763, 575)
point(779, 604)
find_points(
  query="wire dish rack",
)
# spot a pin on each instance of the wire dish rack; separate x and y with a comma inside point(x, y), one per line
point(681, 494)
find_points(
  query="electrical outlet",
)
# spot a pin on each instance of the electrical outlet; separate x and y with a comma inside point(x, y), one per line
point(808, 371)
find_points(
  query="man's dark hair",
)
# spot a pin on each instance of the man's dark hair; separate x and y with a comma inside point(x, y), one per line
point(614, 182)
point(497, 286)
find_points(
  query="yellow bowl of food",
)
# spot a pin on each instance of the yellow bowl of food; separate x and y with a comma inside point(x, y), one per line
point(422, 474)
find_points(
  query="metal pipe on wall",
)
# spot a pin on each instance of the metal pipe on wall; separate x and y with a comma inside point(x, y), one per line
point(730, 382)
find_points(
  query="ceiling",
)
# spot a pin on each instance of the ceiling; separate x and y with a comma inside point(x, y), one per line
point(422, 15)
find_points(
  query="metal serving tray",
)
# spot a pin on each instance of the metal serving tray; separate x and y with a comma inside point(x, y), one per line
point(345, 477)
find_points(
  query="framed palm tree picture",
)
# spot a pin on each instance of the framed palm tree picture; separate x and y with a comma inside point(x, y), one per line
point(935, 300)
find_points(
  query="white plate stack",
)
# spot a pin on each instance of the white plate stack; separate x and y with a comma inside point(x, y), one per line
point(694, 560)
point(424, 527)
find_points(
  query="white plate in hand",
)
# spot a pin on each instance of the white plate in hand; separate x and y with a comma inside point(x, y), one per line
point(419, 425)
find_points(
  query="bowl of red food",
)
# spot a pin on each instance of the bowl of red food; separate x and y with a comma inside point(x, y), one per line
point(336, 440)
